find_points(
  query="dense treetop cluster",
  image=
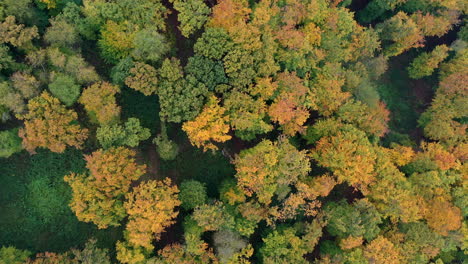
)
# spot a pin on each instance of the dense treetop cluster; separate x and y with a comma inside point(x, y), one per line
point(233, 131)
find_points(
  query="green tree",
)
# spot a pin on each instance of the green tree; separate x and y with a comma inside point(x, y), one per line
point(192, 15)
point(129, 134)
point(150, 46)
point(61, 33)
point(361, 219)
point(65, 88)
point(425, 64)
point(283, 246)
point(192, 194)
point(214, 43)
point(11, 255)
point(10, 143)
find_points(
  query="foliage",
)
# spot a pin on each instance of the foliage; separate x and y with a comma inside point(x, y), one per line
point(142, 78)
point(130, 134)
point(151, 209)
point(11, 255)
point(65, 89)
point(97, 195)
point(192, 194)
point(10, 143)
point(99, 101)
point(426, 63)
point(210, 126)
point(49, 124)
point(149, 45)
point(283, 247)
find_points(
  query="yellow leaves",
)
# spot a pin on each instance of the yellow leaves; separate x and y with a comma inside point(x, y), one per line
point(99, 101)
point(211, 125)
point(326, 95)
point(143, 78)
point(151, 209)
point(382, 251)
point(49, 124)
point(442, 216)
point(351, 242)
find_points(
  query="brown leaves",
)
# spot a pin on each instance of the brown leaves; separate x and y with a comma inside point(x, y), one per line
point(99, 101)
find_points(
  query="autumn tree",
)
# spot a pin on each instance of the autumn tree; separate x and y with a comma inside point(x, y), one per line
point(26, 84)
point(143, 78)
point(210, 126)
point(49, 124)
point(349, 155)
point(268, 167)
point(151, 209)
point(426, 63)
point(97, 195)
point(401, 33)
point(381, 250)
point(99, 101)
point(17, 35)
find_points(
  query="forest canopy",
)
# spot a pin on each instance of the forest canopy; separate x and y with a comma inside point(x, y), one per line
point(233, 131)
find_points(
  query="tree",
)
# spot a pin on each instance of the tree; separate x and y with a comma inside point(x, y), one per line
point(61, 33)
point(209, 72)
point(99, 101)
point(381, 250)
point(176, 253)
point(326, 95)
point(130, 134)
point(180, 99)
point(167, 149)
point(283, 246)
point(247, 115)
point(91, 254)
point(151, 209)
point(17, 35)
point(117, 40)
point(349, 155)
point(49, 124)
point(64, 88)
point(214, 43)
point(10, 143)
point(358, 220)
point(227, 244)
point(11, 99)
point(442, 216)
point(264, 169)
point(426, 63)
point(143, 78)
point(25, 83)
point(11, 255)
point(211, 125)
point(401, 33)
point(212, 217)
point(97, 195)
point(372, 120)
point(288, 107)
point(192, 194)
point(192, 15)
point(150, 46)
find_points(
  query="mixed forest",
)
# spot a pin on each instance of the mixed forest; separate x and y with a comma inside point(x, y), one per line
point(233, 131)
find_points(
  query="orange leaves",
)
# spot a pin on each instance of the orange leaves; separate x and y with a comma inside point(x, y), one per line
point(442, 216)
point(97, 197)
point(49, 124)
point(211, 125)
point(349, 155)
point(151, 209)
point(382, 251)
point(288, 107)
point(114, 170)
point(99, 101)
point(326, 95)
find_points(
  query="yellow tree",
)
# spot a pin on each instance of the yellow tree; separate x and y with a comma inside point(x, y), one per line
point(99, 101)
point(382, 251)
point(97, 195)
point(151, 209)
point(211, 125)
point(49, 124)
